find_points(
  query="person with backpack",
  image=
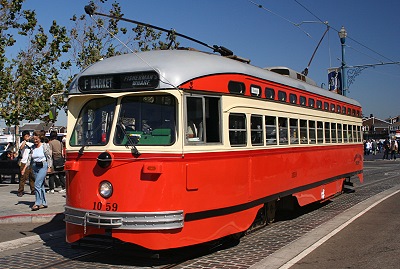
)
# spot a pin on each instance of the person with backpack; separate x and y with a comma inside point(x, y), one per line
point(57, 176)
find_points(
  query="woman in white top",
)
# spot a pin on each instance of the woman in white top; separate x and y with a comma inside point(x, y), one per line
point(41, 162)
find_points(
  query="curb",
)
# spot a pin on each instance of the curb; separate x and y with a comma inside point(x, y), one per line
point(32, 218)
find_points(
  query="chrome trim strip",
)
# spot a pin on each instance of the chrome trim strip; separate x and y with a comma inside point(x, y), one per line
point(125, 220)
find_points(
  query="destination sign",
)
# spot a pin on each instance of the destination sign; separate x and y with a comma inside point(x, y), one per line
point(119, 82)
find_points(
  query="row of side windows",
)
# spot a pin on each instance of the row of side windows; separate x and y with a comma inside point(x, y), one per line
point(236, 87)
point(289, 131)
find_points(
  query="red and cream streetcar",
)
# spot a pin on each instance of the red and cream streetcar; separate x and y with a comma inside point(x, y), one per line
point(173, 148)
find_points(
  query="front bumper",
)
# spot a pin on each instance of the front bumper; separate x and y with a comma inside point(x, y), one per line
point(166, 220)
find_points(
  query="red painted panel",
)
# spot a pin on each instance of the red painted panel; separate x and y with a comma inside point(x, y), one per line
point(200, 182)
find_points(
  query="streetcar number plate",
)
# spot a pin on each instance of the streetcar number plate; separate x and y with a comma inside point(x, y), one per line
point(105, 206)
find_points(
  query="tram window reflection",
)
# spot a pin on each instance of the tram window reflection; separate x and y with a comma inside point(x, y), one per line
point(303, 132)
point(333, 133)
point(282, 96)
point(294, 131)
point(237, 130)
point(339, 133)
point(256, 130)
point(327, 132)
point(283, 131)
point(94, 123)
point(146, 120)
point(194, 119)
point(345, 133)
point(270, 130)
point(303, 100)
point(269, 93)
point(311, 102)
point(293, 98)
point(203, 123)
point(311, 130)
point(320, 132)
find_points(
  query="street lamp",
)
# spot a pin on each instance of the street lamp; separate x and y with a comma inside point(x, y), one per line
point(342, 35)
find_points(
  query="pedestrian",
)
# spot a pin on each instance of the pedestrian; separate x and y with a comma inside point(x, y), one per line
point(374, 147)
point(368, 147)
point(57, 175)
point(393, 148)
point(41, 161)
point(25, 148)
point(386, 148)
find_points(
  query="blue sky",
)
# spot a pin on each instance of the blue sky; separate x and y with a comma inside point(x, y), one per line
point(271, 39)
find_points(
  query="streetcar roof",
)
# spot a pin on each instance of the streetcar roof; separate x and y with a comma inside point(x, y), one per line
point(176, 67)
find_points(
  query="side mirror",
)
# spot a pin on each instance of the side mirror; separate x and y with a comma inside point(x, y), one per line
point(53, 113)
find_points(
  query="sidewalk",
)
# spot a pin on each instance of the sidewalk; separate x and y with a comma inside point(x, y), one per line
point(16, 209)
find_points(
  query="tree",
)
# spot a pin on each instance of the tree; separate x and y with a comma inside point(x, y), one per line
point(96, 38)
point(30, 78)
point(48, 60)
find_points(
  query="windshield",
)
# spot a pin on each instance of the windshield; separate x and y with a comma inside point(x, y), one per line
point(94, 123)
point(146, 120)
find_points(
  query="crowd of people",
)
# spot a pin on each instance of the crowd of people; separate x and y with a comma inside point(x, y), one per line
point(389, 147)
point(39, 158)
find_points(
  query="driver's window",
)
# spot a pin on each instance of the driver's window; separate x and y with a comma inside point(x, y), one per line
point(194, 120)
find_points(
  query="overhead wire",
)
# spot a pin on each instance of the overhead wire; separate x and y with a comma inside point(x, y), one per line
point(352, 39)
point(276, 14)
point(166, 81)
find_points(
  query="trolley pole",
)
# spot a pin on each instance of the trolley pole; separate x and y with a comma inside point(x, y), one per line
point(342, 35)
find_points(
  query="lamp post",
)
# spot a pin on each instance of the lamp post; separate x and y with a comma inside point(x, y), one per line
point(342, 35)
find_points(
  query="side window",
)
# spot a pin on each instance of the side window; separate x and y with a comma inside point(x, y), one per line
point(311, 131)
point(294, 131)
point(256, 130)
point(326, 106)
point(293, 98)
point(333, 133)
point(333, 107)
point(282, 96)
point(269, 93)
point(237, 130)
point(345, 133)
point(339, 133)
point(303, 100)
point(194, 120)
point(319, 104)
point(338, 109)
point(311, 102)
point(320, 132)
point(203, 119)
point(303, 132)
point(283, 131)
point(270, 130)
point(327, 132)
point(236, 87)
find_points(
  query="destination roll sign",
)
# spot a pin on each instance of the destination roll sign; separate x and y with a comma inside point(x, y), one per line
point(119, 82)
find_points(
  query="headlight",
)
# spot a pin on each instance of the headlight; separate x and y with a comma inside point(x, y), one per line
point(104, 159)
point(105, 189)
